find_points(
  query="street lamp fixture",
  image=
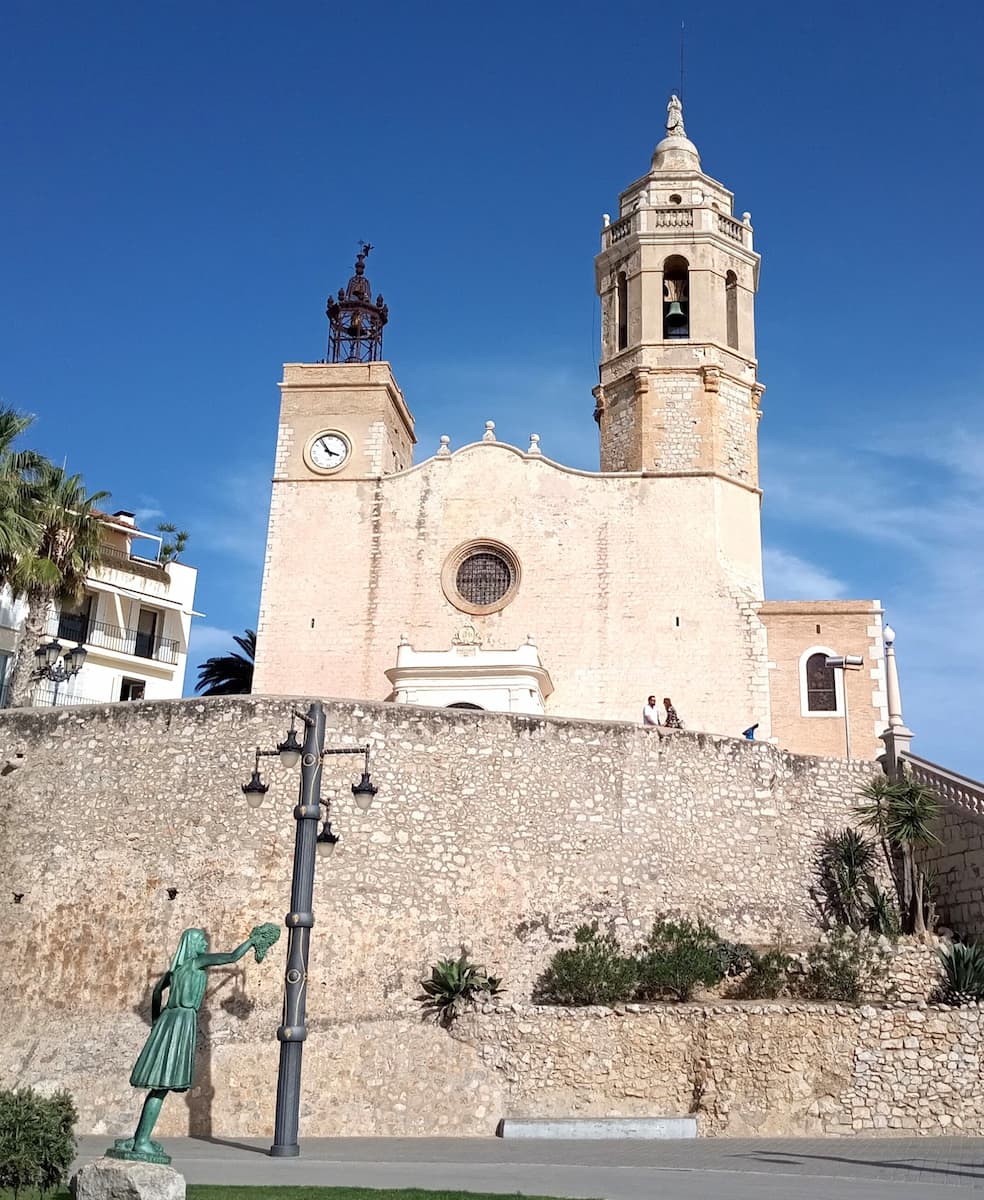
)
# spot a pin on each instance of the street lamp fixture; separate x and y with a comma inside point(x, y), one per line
point(48, 665)
point(842, 663)
point(310, 842)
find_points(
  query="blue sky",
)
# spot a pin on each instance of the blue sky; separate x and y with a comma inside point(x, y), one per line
point(185, 183)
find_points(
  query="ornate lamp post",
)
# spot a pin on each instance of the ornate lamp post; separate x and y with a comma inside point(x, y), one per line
point(48, 666)
point(308, 841)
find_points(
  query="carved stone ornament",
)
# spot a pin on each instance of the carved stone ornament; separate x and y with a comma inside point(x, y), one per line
point(467, 635)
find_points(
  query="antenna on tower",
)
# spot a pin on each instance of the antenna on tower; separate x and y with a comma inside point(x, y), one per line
point(681, 62)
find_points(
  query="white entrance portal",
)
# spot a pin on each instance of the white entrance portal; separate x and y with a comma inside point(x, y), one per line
point(468, 676)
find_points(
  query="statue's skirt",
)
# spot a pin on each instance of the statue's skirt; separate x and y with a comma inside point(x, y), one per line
point(168, 1057)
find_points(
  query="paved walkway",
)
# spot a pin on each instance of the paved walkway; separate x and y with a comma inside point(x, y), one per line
point(725, 1168)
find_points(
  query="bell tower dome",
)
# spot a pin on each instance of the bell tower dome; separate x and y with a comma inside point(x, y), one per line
point(678, 392)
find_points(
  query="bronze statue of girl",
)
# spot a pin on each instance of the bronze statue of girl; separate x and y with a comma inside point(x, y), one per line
point(167, 1061)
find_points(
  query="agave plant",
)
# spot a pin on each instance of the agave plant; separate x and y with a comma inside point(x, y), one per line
point(963, 973)
point(454, 984)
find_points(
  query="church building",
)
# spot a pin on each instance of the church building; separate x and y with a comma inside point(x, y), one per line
point(489, 576)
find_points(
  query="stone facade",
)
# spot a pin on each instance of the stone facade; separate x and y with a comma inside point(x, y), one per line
point(645, 577)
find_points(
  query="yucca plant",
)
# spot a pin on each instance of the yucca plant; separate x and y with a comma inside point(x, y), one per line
point(903, 814)
point(845, 865)
point(883, 912)
point(963, 973)
point(454, 984)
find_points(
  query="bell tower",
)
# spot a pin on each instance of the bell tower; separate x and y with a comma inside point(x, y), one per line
point(677, 275)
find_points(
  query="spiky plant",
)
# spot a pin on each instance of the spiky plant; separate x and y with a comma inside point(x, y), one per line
point(845, 864)
point(903, 813)
point(963, 973)
point(734, 957)
point(454, 984)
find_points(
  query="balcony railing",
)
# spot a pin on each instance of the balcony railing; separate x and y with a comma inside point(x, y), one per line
point(78, 628)
point(47, 694)
point(121, 560)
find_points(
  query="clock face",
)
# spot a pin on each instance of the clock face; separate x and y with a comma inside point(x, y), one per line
point(328, 451)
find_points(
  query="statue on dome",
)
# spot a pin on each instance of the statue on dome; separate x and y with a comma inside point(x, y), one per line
point(674, 118)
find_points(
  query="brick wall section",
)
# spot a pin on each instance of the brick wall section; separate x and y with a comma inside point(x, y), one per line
point(958, 862)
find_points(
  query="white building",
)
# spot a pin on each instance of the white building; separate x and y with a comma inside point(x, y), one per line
point(133, 619)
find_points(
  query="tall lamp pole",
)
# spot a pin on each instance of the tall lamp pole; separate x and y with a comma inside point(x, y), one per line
point(308, 841)
point(844, 663)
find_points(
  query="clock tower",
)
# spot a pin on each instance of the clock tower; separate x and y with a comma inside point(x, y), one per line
point(344, 425)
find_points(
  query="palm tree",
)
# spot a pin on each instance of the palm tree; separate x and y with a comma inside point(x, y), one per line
point(902, 813)
point(229, 674)
point(54, 569)
point(18, 531)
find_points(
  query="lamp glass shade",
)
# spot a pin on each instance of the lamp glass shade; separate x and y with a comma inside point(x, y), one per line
point(75, 660)
point(290, 749)
point(47, 655)
point(255, 790)
point(364, 792)
point(327, 841)
point(888, 635)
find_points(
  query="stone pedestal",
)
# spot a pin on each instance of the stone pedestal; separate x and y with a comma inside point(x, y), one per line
point(115, 1179)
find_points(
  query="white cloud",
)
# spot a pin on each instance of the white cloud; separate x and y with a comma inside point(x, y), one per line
point(789, 577)
point(918, 500)
point(209, 640)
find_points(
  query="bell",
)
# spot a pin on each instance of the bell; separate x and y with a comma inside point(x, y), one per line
point(675, 315)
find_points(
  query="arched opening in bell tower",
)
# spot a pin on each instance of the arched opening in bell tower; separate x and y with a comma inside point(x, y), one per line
point(622, 309)
point(731, 307)
point(676, 297)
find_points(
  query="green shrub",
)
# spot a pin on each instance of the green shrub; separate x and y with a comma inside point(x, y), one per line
point(37, 1140)
point(843, 967)
point(963, 973)
point(593, 971)
point(767, 976)
point(676, 958)
point(454, 984)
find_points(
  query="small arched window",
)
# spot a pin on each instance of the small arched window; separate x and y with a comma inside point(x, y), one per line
point(821, 686)
point(622, 309)
point(676, 297)
point(731, 305)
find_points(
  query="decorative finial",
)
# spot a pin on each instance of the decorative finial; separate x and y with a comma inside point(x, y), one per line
point(534, 447)
point(489, 434)
point(404, 640)
point(674, 118)
point(445, 450)
point(356, 323)
point(606, 219)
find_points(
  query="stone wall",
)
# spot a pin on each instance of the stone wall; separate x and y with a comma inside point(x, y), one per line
point(958, 862)
point(496, 832)
point(778, 1069)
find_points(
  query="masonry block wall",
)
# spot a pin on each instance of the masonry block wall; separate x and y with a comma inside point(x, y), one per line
point(495, 833)
point(958, 863)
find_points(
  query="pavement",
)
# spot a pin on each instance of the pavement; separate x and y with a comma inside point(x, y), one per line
point(726, 1168)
